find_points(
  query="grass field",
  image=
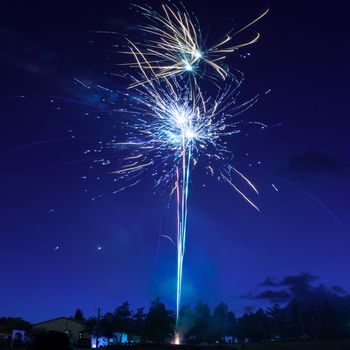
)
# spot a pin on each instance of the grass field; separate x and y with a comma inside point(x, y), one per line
point(341, 345)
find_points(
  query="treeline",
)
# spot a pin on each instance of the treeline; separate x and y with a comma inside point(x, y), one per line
point(199, 324)
point(157, 325)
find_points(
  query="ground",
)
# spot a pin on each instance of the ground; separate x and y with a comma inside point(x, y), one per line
point(341, 345)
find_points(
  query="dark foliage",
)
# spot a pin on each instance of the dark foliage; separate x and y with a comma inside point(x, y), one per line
point(159, 322)
point(79, 316)
point(324, 317)
point(83, 343)
point(51, 340)
point(7, 324)
point(152, 346)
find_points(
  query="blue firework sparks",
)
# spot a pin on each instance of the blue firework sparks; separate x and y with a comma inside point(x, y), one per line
point(174, 125)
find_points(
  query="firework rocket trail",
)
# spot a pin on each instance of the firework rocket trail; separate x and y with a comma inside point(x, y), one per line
point(176, 125)
point(182, 200)
point(177, 129)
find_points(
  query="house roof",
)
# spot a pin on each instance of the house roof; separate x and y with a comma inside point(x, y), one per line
point(59, 318)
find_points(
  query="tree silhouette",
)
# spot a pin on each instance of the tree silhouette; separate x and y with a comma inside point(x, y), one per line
point(107, 326)
point(159, 322)
point(327, 322)
point(79, 316)
point(91, 325)
point(278, 321)
point(231, 324)
point(186, 323)
point(123, 319)
point(139, 323)
point(254, 326)
point(202, 327)
point(7, 324)
point(220, 322)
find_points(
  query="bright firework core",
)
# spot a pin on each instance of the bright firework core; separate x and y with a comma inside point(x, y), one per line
point(183, 126)
point(192, 60)
point(188, 66)
point(183, 121)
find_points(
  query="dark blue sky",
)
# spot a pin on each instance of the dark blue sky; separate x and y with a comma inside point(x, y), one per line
point(304, 226)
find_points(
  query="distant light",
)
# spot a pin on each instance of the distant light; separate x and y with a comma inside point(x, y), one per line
point(99, 248)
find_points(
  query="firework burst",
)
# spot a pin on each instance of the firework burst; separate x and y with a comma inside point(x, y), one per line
point(175, 129)
point(175, 126)
point(176, 46)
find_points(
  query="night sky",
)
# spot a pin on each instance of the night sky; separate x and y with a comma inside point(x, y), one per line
point(67, 241)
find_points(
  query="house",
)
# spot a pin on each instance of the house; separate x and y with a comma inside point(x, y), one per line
point(74, 329)
point(13, 337)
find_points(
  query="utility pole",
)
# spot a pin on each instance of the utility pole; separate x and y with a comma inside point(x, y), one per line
point(301, 321)
point(98, 326)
